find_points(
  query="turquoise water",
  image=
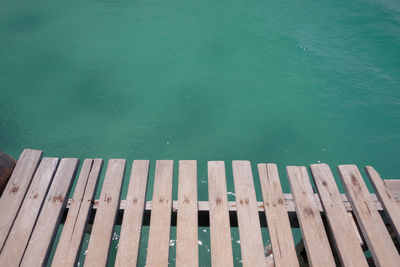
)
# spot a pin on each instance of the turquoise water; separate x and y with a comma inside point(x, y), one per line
point(291, 82)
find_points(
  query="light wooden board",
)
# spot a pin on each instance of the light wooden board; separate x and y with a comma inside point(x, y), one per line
point(204, 205)
point(187, 251)
point(346, 241)
point(18, 238)
point(389, 203)
point(280, 233)
point(394, 188)
point(15, 191)
point(369, 220)
point(100, 239)
point(128, 246)
point(312, 228)
point(355, 228)
point(251, 242)
point(71, 237)
point(42, 236)
point(160, 221)
point(220, 234)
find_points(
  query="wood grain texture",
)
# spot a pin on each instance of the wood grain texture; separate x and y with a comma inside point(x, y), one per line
point(14, 248)
point(220, 234)
point(103, 225)
point(128, 247)
point(251, 242)
point(71, 237)
point(312, 228)
point(354, 225)
point(160, 221)
point(394, 188)
point(42, 236)
point(187, 251)
point(346, 241)
point(389, 203)
point(15, 191)
point(289, 202)
point(280, 232)
point(374, 230)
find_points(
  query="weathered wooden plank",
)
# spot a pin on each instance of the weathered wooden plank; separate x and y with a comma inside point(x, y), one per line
point(187, 251)
point(71, 237)
point(158, 244)
point(7, 165)
point(389, 203)
point(347, 244)
point(128, 247)
point(42, 236)
point(100, 239)
point(354, 225)
point(20, 233)
point(369, 220)
point(204, 205)
point(251, 243)
point(394, 188)
point(220, 234)
point(280, 233)
point(312, 228)
point(15, 191)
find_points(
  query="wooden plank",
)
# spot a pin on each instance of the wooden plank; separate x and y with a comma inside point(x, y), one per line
point(394, 188)
point(312, 228)
point(374, 230)
point(354, 225)
point(280, 233)
point(251, 242)
point(289, 202)
point(71, 237)
point(42, 236)
point(220, 234)
point(389, 203)
point(100, 239)
point(15, 191)
point(347, 244)
point(20, 233)
point(187, 251)
point(158, 244)
point(128, 247)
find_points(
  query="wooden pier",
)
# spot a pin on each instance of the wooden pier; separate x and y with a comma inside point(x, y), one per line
point(335, 227)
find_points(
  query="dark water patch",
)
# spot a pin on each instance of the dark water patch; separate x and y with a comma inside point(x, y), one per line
point(95, 92)
point(24, 20)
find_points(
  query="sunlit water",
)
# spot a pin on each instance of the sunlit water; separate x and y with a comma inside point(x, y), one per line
point(291, 82)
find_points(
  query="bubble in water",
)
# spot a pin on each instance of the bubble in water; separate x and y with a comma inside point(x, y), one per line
point(115, 236)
